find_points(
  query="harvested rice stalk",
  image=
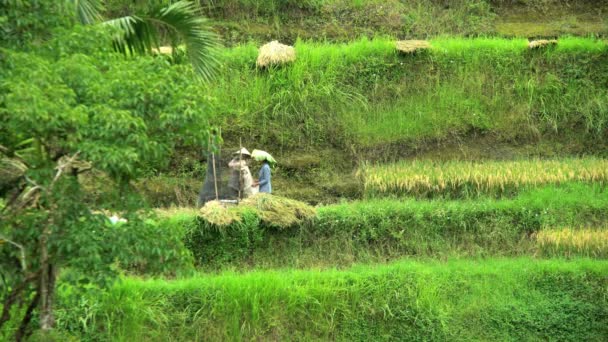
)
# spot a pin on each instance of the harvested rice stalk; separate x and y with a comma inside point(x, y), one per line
point(541, 43)
point(412, 46)
point(567, 242)
point(279, 211)
point(215, 213)
point(275, 53)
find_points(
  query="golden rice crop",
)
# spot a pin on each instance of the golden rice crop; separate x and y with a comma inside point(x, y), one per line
point(425, 177)
point(566, 242)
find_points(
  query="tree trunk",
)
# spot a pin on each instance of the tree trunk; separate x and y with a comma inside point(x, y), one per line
point(23, 332)
point(47, 285)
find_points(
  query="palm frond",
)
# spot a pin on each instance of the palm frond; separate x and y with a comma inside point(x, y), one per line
point(88, 11)
point(180, 22)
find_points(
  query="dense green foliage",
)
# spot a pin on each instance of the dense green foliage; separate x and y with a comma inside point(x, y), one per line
point(76, 90)
point(380, 230)
point(512, 299)
point(69, 104)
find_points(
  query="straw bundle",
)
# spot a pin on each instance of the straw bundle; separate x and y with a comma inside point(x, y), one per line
point(215, 213)
point(279, 211)
point(541, 43)
point(275, 53)
point(412, 46)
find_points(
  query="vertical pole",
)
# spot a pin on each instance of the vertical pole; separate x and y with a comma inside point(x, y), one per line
point(240, 165)
point(217, 196)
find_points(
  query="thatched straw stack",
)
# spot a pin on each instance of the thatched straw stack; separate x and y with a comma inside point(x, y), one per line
point(412, 46)
point(275, 53)
point(537, 44)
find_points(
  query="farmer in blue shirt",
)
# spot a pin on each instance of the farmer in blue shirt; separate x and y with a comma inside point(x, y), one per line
point(264, 181)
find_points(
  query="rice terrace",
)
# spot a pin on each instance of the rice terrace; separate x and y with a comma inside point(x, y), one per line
point(304, 170)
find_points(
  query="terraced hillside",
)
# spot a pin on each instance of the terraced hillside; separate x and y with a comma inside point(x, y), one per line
point(526, 267)
point(341, 105)
point(454, 193)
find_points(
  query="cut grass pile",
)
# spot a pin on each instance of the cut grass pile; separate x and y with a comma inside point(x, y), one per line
point(591, 242)
point(466, 179)
point(463, 300)
point(381, 230)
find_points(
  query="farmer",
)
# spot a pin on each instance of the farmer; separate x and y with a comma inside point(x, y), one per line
point(264, 180)
point(240, 176)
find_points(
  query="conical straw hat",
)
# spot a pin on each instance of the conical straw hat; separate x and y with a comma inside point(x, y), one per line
point(243, 151)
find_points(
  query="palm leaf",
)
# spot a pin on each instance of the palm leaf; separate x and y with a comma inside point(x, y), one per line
point(88, 11)
point(180, 22)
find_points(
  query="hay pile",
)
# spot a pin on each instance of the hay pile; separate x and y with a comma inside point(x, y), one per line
point(275, 53)
point(279, 211)
point(537, 44)
point(215, 213)
point(274, 211)
point(412, 46)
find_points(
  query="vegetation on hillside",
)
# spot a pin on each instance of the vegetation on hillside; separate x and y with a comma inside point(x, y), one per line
point(69, 104)
point(345, 20)
point(492, 299)
point(388, 229)
point(481, 180)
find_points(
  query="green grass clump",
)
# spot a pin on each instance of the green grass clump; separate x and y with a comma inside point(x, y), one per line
point(458, 179)
point(492, 299)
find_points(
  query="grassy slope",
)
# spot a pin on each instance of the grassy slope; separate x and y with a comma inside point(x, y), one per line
point(492, 299)
point(342, 103)
point(363, 94)
point(384, 230)
point(343, 20)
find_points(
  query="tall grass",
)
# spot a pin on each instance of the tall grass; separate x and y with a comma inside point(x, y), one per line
point(491, 299)
point(462, 179)
point(364, 94)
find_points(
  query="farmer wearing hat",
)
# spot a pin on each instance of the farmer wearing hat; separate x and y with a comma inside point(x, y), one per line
point(264, 179)
point(240, 176)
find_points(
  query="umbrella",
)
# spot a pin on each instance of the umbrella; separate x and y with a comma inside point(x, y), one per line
point(260, 155)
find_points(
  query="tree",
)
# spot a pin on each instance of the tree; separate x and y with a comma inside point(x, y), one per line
point(67, 107)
